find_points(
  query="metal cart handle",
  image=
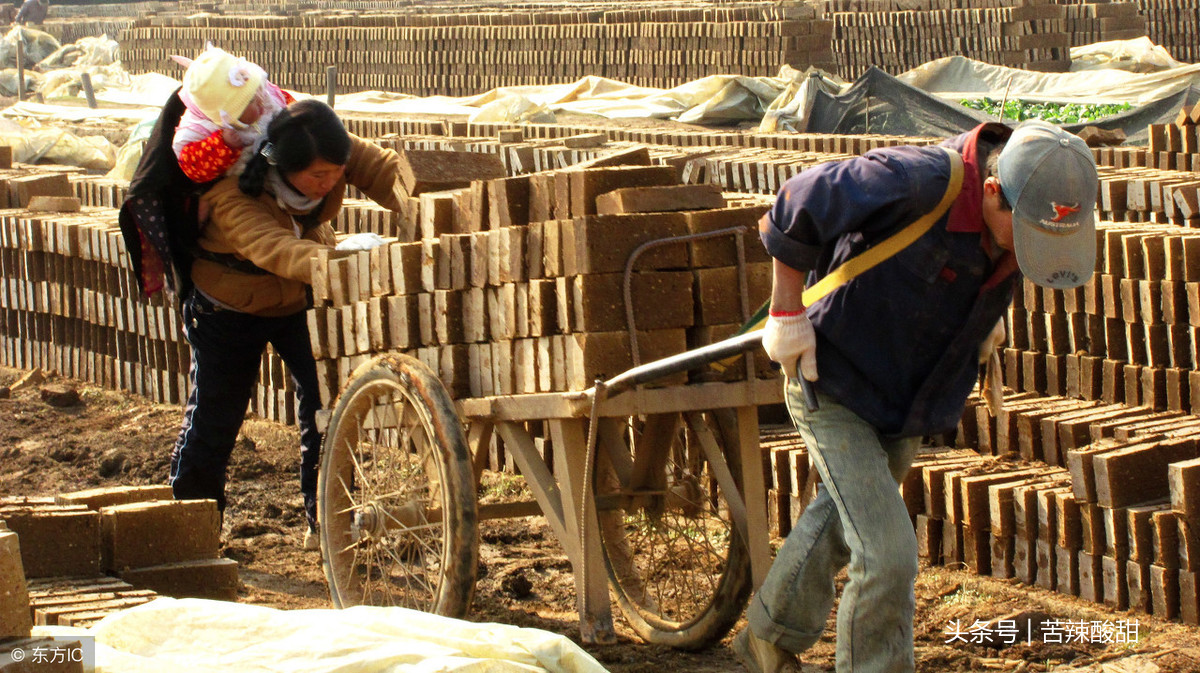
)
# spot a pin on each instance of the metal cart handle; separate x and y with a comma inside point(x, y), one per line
point(693, 359)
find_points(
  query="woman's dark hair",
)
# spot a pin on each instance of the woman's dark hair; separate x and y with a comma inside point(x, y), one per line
point(301, 133)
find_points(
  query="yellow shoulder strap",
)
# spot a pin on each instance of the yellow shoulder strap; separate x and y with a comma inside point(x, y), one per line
point(894, 243)
point(871, 257)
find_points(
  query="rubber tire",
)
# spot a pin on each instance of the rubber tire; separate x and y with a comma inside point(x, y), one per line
point(421, 391)
point(732, 592)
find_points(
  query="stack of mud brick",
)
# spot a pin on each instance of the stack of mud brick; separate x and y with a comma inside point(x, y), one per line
point(1175, 25)
point(515, 284)
point(70, 304)
point(1176, 146)
point(134, 534)
point(1129, 335)
point(466, 49)
point(898, 36)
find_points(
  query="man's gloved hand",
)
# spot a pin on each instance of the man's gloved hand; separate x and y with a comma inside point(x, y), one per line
point(993, 341)
point(361, 242)
point(789, 339)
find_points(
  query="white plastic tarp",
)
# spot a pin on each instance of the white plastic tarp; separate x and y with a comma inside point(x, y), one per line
point(202, 636)
point(722, 98)
point(958, 77)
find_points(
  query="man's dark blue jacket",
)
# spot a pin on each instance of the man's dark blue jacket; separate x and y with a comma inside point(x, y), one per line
point(899, 344)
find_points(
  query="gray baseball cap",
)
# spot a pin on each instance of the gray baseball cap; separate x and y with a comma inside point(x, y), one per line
point(1049, 178)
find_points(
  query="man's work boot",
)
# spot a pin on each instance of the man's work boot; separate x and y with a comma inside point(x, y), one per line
point(760, 656)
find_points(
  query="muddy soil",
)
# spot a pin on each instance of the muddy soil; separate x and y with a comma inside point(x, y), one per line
point(111, 438)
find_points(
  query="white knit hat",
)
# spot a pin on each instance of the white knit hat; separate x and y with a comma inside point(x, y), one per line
point(218, 81)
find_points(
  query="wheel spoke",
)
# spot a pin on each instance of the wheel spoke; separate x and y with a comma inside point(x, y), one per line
point(398, 509)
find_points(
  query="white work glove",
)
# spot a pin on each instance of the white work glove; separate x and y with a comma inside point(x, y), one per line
point(361, 242)
point(790, 340)
point(993, 341)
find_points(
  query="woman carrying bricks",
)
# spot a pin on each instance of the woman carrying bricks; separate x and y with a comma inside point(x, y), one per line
point(251, 288)
point(893, 351)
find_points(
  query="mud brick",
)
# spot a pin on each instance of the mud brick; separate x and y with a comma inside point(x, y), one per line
point(1012, 369)
point(661, 299)
point(56, 540)
point(1139, 473)
point(603, 243)
point(1166, 538)
point(1137, 582)
point(437, 213)
point(22, 189)
point(1091, 377)
point(1003, 508)
point(1189, 598)
point(1188, 541)
point(66, 611)
point(976, 491)
point(1006, 440)
point(1164, 591)
point(1133, 384)
point(15, 619)
point(952, 543)
point(718, 299)
point(1116, 533)
point(96, 498)
point(1046, 565)
point(1002, 553)
point(1068, 519)
point(204, 578)
point(541, 197)
point(407, 261)
point(1091, 520)
point(933, 477)
point(1024, 559)
point(1115, 582)
point(1184, 486)
point(1112, 384)
point(509, 202)
point(587, 184)
point(1029, 425)
point(1128, 424)
point(584, 140)
point(1091, 576)
point(1033, 371)
point(1066, 576)
point(929, 539)
point(1178, 397)
point(606, 354)
point(1068, 430)
point(54, 204)
point(437, 170)
point(1079, 463)
point(1140, 531)
point(660, 199)
point(138, 535)
point(976, 550)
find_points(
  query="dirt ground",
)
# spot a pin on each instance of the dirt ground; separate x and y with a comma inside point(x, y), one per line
point(114, 439)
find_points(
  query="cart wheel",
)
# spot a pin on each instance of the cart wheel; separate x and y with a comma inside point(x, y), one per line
point(678, 564)
point(397, 501)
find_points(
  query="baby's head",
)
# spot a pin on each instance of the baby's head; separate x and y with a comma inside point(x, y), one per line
point(224, 87)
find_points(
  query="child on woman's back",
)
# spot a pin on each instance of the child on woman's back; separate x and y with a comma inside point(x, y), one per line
point(229, 103)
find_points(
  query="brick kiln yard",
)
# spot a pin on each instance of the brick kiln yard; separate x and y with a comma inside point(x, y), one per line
point(113, 439)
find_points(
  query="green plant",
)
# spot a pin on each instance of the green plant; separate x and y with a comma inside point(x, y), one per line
point(1055, 113)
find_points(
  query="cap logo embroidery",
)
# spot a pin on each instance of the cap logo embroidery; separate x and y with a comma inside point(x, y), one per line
point(1062, 211)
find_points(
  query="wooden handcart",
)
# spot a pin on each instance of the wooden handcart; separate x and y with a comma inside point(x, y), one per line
point(657, 493)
